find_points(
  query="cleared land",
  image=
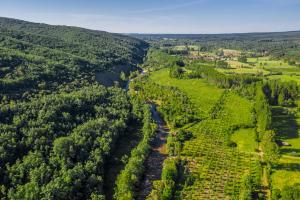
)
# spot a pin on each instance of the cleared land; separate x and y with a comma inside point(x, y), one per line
point(201, 94)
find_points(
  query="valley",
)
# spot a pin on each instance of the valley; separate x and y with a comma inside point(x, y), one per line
point(94, 115)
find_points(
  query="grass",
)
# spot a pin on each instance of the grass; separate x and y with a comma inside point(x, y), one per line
point(269, 63)
point(245, 140)
point(201, 93)
point(287, 127)
point(265, 66)
point(237, 111)
point(286, 78)
point(287, 173)
point(182, 47)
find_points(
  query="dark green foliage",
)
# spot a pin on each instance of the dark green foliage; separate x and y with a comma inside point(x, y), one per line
point(175, 141)
point(131, 175)
point(246, 188)
point(287, 193)
point(54, 147)
point(222, 64)
point(242, 58)
point(291, 192)
point(39, 57)
point(157, 59)
point(281, 93)
point(164, 189)
point(269, 147)
point(176, 72)
point(276, 194)
point(219, 79)
point(57, 124)
point(174, 105)
point(262, 110)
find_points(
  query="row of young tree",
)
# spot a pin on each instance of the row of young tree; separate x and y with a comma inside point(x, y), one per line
point(175, 173)
point(174, 105)
point(177, 110)
point(219, 79)
point(267, 94)
point(55, 147)
point(130, 177)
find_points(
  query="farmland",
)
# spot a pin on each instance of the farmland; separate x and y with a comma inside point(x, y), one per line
point(232, 153)
point(206, 152)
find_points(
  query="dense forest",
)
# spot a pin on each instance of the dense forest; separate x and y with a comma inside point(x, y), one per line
point(37, 58)
point(58, 123)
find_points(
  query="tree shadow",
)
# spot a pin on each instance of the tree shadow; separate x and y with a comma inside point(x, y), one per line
point(284, 124)
point(288, 166)
point(290, 151)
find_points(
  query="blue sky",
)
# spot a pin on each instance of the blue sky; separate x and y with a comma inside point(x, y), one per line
point(161, 16)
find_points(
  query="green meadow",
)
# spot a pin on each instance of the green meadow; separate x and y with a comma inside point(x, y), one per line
point(201, 93)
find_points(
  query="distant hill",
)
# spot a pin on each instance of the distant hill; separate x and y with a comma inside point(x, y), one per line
point(35, 56)
point(228, 36)
point(279, 45)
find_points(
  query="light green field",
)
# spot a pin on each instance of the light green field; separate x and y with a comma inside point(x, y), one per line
point(245, 140)
point(288, 172)
point(286, 78)
point(243, 68)
point(265, 66)
point(244, 71)
point(182, 47)
point(203, 95)
point(268, 63)
point(237, 111)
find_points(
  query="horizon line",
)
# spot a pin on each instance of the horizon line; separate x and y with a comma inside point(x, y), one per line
point(144, 33)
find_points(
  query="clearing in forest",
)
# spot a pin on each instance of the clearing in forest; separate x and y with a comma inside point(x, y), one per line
point(201, 94)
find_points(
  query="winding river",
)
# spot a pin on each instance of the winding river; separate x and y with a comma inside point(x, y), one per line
point(157, 155)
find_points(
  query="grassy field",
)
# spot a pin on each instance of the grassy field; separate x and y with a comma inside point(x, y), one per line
point(245, 140)
point(287, 173)
point(286, 78)
point(268, 63)
point(237, 111)
point(201, 94)
point(265, 66)
point(217, 168)
point(189, 47)
point(287, 127)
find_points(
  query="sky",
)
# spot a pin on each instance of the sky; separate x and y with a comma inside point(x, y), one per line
point(161, 16)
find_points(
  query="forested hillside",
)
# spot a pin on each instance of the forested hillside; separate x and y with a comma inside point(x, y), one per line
point(58, 123)
point(39, 57)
